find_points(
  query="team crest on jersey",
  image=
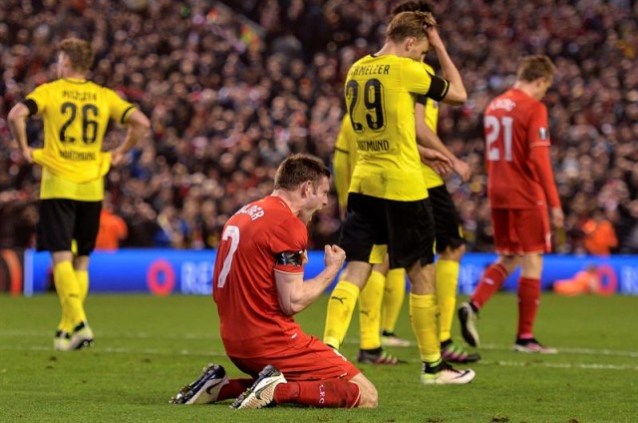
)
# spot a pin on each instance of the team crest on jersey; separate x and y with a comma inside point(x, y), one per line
point(542, 132)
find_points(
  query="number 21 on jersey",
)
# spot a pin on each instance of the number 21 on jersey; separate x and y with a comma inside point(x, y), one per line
point(231, 232)
point(498, 129)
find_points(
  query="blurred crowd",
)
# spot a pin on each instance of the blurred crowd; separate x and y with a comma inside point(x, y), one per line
point(233, 87)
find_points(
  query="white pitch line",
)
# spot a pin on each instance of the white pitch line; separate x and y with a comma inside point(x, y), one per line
point(208, 336)
point(561, 350)
point(574, 350)
point(115, 350)
point(184, 352)
point(589, 366)
point(126, 335)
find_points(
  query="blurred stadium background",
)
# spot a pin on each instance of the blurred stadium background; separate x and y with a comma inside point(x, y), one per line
point(232, 87)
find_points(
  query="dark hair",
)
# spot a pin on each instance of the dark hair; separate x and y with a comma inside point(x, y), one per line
point(536, 66)
point(79, 52)
point(413, 6)
point(299, 168)
point(408, 24)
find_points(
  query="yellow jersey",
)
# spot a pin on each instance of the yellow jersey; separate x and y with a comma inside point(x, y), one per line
point(380, 96)
point(432, 179)
point(344, 160)
point(76, 114)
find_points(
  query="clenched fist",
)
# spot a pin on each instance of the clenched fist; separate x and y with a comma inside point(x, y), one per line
point(334, 256)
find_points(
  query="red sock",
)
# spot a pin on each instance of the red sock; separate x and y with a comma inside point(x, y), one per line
point(234, 388)
point(491, 282)
point(529, 293)
point(331, 393)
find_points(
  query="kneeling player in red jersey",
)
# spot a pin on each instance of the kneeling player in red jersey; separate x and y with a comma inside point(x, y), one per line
point(258, 287)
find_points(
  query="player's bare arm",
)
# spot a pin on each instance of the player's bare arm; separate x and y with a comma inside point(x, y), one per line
point(342, 176)
point(427, 138)
point(295, 295)
point(557, 216)
point(437, 161)
point(456, 93)
point(18, 124)
point(138, 125)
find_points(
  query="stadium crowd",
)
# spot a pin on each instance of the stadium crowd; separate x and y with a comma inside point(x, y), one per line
point(231, 94)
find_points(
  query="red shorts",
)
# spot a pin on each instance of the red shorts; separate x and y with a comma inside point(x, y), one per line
point(519, 231)
point(312, 360)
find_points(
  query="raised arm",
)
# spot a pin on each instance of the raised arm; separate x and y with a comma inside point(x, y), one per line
point(456, 93)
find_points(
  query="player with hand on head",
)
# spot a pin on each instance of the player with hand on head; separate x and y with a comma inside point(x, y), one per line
point(449, 241)
point(382, 208)
point(390, 284)
point(521, 188)
point(258, 287)
point(76, 113)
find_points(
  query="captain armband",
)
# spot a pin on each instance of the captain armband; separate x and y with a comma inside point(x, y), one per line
point(291, 258)
point(31, 105)
point(438, 88)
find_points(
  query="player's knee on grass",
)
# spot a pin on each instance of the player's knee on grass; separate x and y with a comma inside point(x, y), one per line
point(368, 396)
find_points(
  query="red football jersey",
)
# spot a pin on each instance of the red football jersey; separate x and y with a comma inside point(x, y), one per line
point(244, 287)
point(514, 123)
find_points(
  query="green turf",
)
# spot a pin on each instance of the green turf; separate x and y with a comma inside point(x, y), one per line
point(148, 347)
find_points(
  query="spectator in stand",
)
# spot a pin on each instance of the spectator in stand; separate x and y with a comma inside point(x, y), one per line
point(112, 230)
point(198, 72)
point(630, 223)
point(600, 236)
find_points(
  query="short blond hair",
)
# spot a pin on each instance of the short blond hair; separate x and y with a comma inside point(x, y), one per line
point(534, 67)
point(79, 52)
point(409, 24)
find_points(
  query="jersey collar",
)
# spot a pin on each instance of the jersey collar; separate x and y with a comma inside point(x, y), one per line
point(76, 80)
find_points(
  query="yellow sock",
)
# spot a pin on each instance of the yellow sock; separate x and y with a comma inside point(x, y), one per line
point(66, 285)
point(370, 300)
point(423, 316)
point(65, 320)
point(65, 324)
point(447, 278)
point(82, 277)
point(340, 307)
point(393, 299)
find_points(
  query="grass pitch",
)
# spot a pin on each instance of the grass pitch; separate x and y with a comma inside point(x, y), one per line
point(148, 347)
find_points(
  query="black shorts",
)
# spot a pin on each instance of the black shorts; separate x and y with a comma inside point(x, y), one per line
point(406, 227)
point(447, 223)
point(63, 220)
